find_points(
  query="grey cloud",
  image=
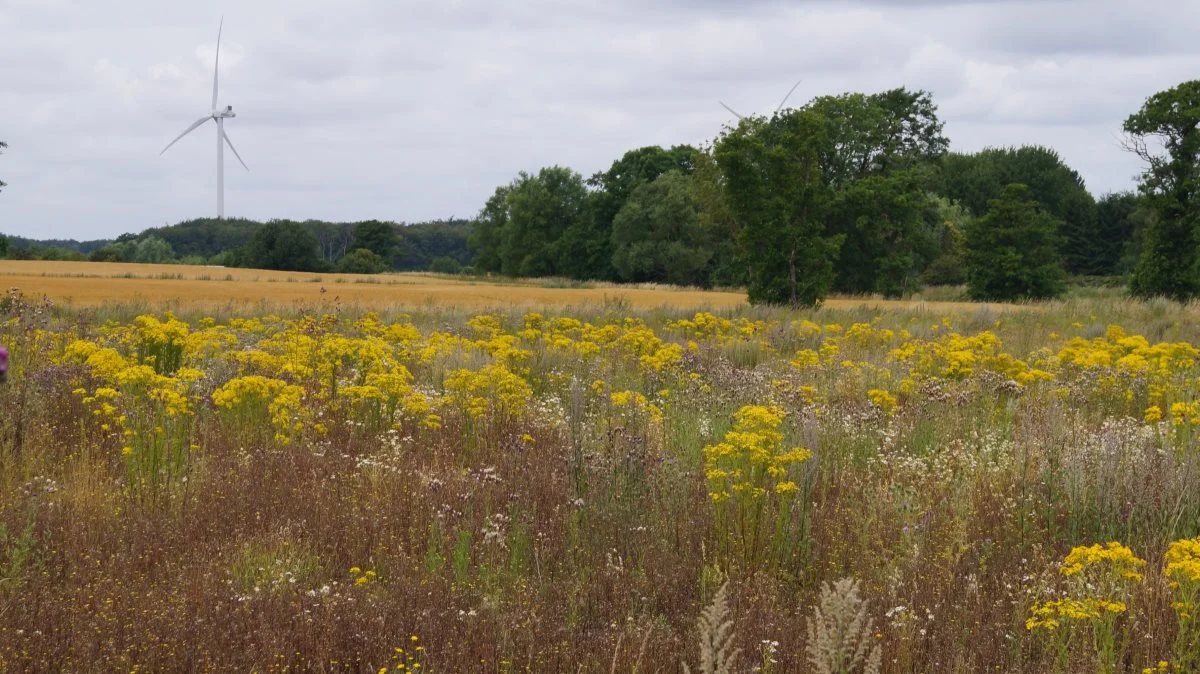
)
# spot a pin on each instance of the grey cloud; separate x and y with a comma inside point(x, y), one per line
point(419, 109)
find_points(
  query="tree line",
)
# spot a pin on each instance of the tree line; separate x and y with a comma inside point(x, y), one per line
point(859, 193)
point(853, 193)
point(313, 245)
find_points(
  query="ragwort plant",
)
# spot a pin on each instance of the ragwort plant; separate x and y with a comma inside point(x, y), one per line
point(752, 485)
point(1102, 580)
point(1182, 571)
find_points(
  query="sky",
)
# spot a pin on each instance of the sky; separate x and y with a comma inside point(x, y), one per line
point(411, 110)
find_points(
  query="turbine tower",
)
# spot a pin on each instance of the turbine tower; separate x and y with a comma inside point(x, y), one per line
point(218, 116)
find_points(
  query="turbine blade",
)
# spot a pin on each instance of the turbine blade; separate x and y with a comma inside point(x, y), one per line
point(735, 114)
point(217, 62)
point(789, 95)
point(186, 131)
point(231, 147)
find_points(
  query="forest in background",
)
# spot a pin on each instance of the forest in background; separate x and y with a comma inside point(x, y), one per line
point(439, 245)
point(855, 193)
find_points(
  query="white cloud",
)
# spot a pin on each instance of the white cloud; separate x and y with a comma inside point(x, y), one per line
point(419, 109)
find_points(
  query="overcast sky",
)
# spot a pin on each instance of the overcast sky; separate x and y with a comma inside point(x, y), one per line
point(414, 110)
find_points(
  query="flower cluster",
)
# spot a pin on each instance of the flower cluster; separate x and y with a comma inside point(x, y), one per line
point(1182, 571)
point(1102, 580)
point(751, 462)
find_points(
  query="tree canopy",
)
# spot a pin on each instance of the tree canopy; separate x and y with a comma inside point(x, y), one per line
point(853, 193)
point(773, 183)
point(283, 245)
point(1169, 264)
point(975, 180)
point(378, 237)
point(1012, 251)
point(656, 236)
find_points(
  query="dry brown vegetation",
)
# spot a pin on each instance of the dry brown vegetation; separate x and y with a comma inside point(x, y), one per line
point(335, 490)
point(94, 284)
point(91, 284)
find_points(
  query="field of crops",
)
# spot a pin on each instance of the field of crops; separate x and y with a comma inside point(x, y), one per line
point(183, 287)
point(598, 487)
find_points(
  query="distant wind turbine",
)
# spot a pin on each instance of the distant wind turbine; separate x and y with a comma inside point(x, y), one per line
point(219, 116)
point(777, 109)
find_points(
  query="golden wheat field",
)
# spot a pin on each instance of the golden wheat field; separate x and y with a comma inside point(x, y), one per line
point(91, 284)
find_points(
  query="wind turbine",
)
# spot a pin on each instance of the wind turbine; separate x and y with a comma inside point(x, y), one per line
point(219, 116)
point(777, 109)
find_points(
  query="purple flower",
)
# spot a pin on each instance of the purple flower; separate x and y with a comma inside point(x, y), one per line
point(3, 363)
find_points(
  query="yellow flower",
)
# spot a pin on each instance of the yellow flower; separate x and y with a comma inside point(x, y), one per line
point(754, 447)
point(885, 401)
point(1113, 557)
point(1153, 414)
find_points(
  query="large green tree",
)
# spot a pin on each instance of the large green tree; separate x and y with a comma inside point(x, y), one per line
point(888, 237)
point(519, 231)
point(361, 261)
point(1012, 251)
point(878, 154)
point(875, 134)
point(774, 187)
point(656, 236)
point(974, 180)
point(540, 208)
point(154, 250)
point(1165, 134)
point(376, 236)
point(586, 246)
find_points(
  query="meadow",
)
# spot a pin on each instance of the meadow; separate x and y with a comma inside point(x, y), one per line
point(600, 484)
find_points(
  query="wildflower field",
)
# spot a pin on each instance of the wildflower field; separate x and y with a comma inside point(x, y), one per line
point(601, 489)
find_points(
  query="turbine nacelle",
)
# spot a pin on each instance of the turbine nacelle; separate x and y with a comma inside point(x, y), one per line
point(227, 112)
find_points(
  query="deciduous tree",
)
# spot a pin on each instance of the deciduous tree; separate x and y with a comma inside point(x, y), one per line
point(1012, 252)
point(773, 183)
point(878, 153)
point(377, 237)
point(361, 261)
point(974, 180)
point(539, 209)
point(1169, 264)
point(283, 245)
point(656, 236)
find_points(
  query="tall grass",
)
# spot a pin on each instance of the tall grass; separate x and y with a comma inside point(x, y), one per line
point(334, 489)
